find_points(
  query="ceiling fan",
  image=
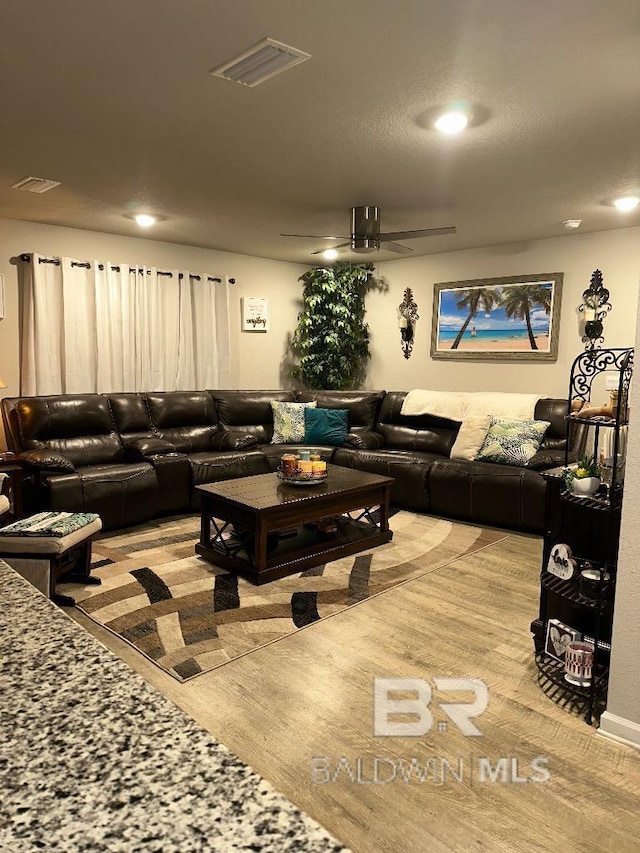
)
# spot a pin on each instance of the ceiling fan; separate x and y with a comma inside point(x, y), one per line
point(366, 236)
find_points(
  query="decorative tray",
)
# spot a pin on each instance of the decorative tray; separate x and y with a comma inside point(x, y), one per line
point(303, 478)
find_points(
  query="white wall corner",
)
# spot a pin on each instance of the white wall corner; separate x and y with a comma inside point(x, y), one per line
point(617, 728)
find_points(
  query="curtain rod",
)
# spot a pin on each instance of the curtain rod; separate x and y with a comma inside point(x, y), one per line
point(87, 265)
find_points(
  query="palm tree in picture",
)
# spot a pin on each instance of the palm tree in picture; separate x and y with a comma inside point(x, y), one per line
point(472, 298)
point(518, 300)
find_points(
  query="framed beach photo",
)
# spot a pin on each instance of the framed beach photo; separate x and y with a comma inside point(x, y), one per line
point(515, 318)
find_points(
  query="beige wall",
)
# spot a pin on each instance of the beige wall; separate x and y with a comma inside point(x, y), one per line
point(615, 253)
point(622, 717)
point(256, 356)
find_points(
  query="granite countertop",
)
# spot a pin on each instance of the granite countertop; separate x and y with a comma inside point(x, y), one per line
point(94, 759)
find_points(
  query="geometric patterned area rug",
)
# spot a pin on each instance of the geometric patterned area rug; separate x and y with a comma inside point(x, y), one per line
point(189, 616)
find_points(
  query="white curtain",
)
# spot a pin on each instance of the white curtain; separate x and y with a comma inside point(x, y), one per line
point(109, 327)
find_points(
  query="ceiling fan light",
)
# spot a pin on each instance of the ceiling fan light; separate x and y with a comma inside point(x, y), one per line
point(627, 203)
point(451, 122)
point(330, 254)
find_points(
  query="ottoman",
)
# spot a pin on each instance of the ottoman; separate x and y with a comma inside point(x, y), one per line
point(43, 559)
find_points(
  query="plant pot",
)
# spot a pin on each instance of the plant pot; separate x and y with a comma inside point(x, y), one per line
point(585, 486)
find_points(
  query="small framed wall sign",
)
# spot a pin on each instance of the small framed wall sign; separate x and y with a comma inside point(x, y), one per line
point(255, 314)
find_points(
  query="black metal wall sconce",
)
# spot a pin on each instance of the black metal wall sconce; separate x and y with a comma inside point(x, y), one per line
point(407, 317)
point(594, 308)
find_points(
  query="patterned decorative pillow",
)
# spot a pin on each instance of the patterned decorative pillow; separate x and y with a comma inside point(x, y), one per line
point(288, 422)
point(510, 442)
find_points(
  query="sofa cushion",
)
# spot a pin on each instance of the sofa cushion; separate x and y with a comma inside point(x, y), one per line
point(249, 411)
point(288, 422)
point(187, 419)
point(363, 406)
point(414, 433)
point(512, 442)
point(470, 438)
point(325, 426)
point(131, 415)
point(79, 427)
point(554, 410)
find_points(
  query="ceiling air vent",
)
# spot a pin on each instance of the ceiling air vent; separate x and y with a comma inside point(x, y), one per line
point(35, 185)
point(260, 62)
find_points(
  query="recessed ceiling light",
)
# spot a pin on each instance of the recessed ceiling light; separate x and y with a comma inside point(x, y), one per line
point(330, 254)
point(627, 203)
point(572, 223)
point(145, 220)
point(452, 122)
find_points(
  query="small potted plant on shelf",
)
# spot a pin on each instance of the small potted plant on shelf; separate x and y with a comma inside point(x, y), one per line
point(583, 479)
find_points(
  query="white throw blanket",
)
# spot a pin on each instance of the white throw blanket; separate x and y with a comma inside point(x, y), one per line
point(460, 405)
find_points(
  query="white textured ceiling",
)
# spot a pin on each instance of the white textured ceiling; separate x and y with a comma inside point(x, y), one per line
point(114, 99)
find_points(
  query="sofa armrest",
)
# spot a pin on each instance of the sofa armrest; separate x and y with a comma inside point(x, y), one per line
point(230, 440)
point(545, 459)
point(139, 449)
point(364, 441)
point(46, 460)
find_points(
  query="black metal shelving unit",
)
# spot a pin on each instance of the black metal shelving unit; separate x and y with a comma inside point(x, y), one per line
point(590, 527)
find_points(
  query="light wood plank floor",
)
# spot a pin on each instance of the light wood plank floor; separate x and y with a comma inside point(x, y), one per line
point(311, 694)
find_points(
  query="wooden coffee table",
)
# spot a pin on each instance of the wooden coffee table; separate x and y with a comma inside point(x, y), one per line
point(264, 529)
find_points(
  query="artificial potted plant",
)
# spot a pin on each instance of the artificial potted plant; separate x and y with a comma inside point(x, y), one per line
point(585, 478)
point(331, 340)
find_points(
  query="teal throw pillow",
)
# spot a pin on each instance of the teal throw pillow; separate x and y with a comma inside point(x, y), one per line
point(510, 442)
point(288, 422)
point(325, 426)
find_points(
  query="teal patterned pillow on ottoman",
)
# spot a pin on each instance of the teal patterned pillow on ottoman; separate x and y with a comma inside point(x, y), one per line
point(511, 442)
point(288, 422)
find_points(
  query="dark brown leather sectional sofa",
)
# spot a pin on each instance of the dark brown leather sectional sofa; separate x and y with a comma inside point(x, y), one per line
point(131, 457)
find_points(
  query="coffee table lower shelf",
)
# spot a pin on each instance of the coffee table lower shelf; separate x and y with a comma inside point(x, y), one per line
point(295, 550)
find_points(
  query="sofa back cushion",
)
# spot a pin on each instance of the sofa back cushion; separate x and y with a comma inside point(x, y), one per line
point(415, 432)
point(437, 435)
point(131, 416)
point(79, 426)
point(363, 406)
point(554, 411)
point(249, 411)
point(187, 419)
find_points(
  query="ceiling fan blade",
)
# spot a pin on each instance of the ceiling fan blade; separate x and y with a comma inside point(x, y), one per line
point(390, 246)
point(318, 236)
point(339, 246)
point(412, 235)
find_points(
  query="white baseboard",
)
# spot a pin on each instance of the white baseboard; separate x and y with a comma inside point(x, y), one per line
point(617, 728)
